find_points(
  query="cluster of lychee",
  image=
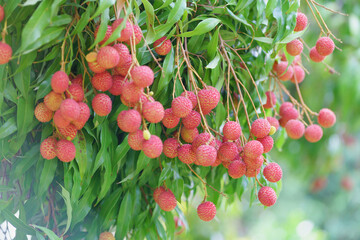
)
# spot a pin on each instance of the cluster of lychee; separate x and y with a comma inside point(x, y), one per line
point(5, 49)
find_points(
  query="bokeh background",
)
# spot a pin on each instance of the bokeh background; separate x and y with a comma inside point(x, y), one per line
point(320, 197)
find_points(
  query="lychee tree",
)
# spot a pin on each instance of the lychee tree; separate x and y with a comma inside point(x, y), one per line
point(115, 114)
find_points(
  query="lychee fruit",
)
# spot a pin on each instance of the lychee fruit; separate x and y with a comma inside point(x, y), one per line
point(301, 22)
point(131, 92)
point(250, 172)
point(206, 155)
point(272, 172)
point(59, 82)
point(260, 128)
point(91, 57)
point(129, 120)
point(284, 71)
point(138, 36)
point(135, 140)
point(123, 52)
point(237, 169)
point(157, 192)
point(295, 129)
point(126, 33)
point(153, 111)
point(170, 120)
point(313, 133)
point(101, 104)
point(192, 120)
point(76, 92)
point(267, 196)
point(167, 201)
point(108, 57)
point(107, 34)
point(254, 163)
point(70, 109)
point(232, 130)
point(326, 118)
point(59, 120)
point(267, 142)
point(171, 146)
point(69, 132)
point(84, 116)
point(143, 76)
point(347, 183)
point(65, 150)
point(106, 236)
point(153, 147)
point(206, 211)
point(315, 56)
point(162, 46)
point(283, 106)
point(203, 138)
point(208, 98)
point(2, 13)
point(325, 46)
point(42, 113)
point(77, 80)
point(95, 67)
point(188, 135)
point(299, 75)
point(186, 154)
point(270, 100)
point(253, 149)
point(53, 100)
point(181, 106)
point(124, 68)
point(47, 148)
point(5, 53)
point(117, 85)
point(228, 151)
point(102, 81)
point(190, 95)
point(294, 47)
point(273, 122)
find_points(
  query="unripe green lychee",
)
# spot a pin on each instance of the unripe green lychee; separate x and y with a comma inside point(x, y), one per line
point(47, 148)
point(101, 104)
point(60, 82)
point(186, 154)
point(102, 81)
point(295, 129)
point(129, 120)
point(326, 118)
point(272, 130)
point(294, 47)
point(162, 46)
point(206, 211)
point(272, 172)
point(5, 53)
point(65, 150)
point(267, 196)
point(146, 134)
point(206, 155)
point(181, 106)
point(42, 113)
point(301, 22)
point(313, 133)
point(153, 112)
point(135, 140)
point(171, 146)
point(192, 120)
point(170, 120)
point(325, 46)
point(237, 169)
point(167, 201)
point(232, 130)
point(53, 100)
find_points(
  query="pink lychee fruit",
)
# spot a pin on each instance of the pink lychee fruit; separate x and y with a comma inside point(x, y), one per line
point(107, 34)
point(171, 146)
point(228, 151)
point(108, 57)
point(117, 85)
point(232, 130)
point(42, 113)
point(101, 104)
point(208, 98)
point(153, 111)
point(131, 93)
point(157, 192)
point(250, 172)
point(186, 154)
point(59, 120)
point(70, 109)
point(299, 75)
point(170, 120)
point(188, 135)
point(260, 128)
point(253, 149)
point(69, 132)
point(190, 95)
point(267, 196)
point(95, 67)
point(295, 129)
point(206, 211)
point(270, 100)
point(313, 133)
point(102, 81)
point(326, 118)
point(237, 169)
point(284, 71)
point(153, 147)
point(135, 140)
point(138, 36)
point(47, 148)
point(267, 142)
point(167, 201)
point(192, 120)
point(143, 76)
point(315, 56)
point(65, 150)
point(181, 106)
point(126, 33)
point(162, 46)
point(59, 82)
point(301, 22)
point(273, 122)
point(5, 53)
point(254, 163)
point(123, 52)
point(206, 155)
point(203, 138)
point(325, 46)
point(124, 68)
point(84, 116)
point(129, 120)
point(294, 47)
point(76, 92)
point(53, 100)
point(272, 172)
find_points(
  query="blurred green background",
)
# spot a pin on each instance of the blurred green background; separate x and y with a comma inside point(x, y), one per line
point(320, 196)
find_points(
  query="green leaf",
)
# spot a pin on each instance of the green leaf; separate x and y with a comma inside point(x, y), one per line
point(81, 153)
point(213, 62)
point(213, 44)
point(124, 216)
point(25, 115)
point(103, 6)
point(16, 222)
point(66, 196)
point(50, 234)
point(203, 27)
point(47, 175)
point(8, 128)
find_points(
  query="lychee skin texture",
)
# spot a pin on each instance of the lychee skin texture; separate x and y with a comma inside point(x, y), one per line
point(313, 133)
point(143, 76)
point(47, 148)
point(138, 36)
point(157, 192)
point(254, 163)
point(135, 140)
point(70, 109)
point(42, 113)
point(315, 56)
point(206, 155)
point(181, 106)
point(153, 111)
point(5, 53)
point(69, 132)
point(123, 69)
point(299, 75)
point(237, 169)
point(59, 120)
point(108, 57)
point(190, 95)
point(59, 82)
point(2, 13)
point(209, 99)
point(131, 93)
point(84, 116)
point(102, 81)
point(117, 85)
point(267, 142)
point(295, 47)
point(202, 139)
point(107, 34)
point(228, 151)
point(53, 100)
point(188, 135)
point(326, 118)
point(206, 211)
point(170, 120)
point(167, 201)
point(123, 52)
point(101, 104)
point(153, 147)
point(65, 150)
point(283, 106)
point(288, 114)
point(270, 100)
point(267, 196)
point(106, 236)
point(76, 92)
point(232, 130)
point(95, 67)
point(295, 129)
point(171, 146)
point(325, 46)
point(126, 33)
point(250, 172)
point(273, 122)
point(283, 74)
point(192, 120)
point(129, 120)
point(272, 172)
point(253, 149)
point(186, 154)
point(162, 46)
point(301, 22)
point(260, 128)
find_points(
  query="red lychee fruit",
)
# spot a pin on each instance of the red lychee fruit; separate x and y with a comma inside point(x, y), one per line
point(95, 67)
point(102, 81)
point(301, 22)
point(203, 138)
point(326, 118)
point(255, 163)
point(129, 120)
point(267, 196)
point(59, 120)
point(2, 13)
point(157, 192)
point(138, 36)
point(206, 155)
point(167, 201)
point(273, 122)
point(283, 106)
point(186, 154)
point(295, 129)
point(232, 130)
point(228, 151)
point(237, 169)
point(315, 56)
point(135, 140)
point(106, 236)
point(192, 120)
point(77, 80)
point(190, 95)
point(253, 149)
point(107, 34)
point(126, 33)
point(294, 47)
point(117, 85)
point(313, 133)
point(170, 120)
point(70, 109)
point(171, 146)
point(53, 100)
point(188, 135)
point(101, 104)
point(325, 46)
point(206, 211)
point(59, 82)
point(108, 57)
point(284, 71)
point(181, 106)
point(124, 68)
point(5, 53)
point(347, 183)
point(270, 100)
point(272, 172)
point(65, 150)
point(153, 147)
point(69, 132)
point(42, 113)
point(267, 142)
point(250, 172)
point(260, 128)
point(84, 116)
point(131, 93)
point(208, 98)
point(76, 92)
point(143, 76)
point(299, 75)
point(123, 52)
point(162, 46)
point(47, 148)
point(153, 111)
point(318, 184)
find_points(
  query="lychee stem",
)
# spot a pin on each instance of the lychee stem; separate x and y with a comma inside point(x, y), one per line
point(257, 180)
